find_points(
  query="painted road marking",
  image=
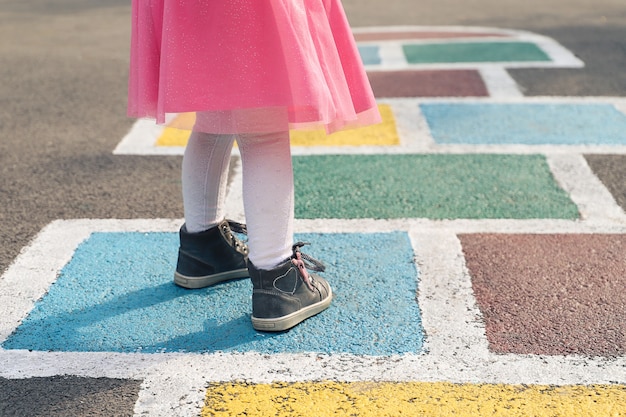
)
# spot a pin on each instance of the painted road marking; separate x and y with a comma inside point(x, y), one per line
point(595, 204)
point(176, 133)
point(489, 51)
point(383, 134)
point(377, 399)
point(525, 123)
point(593, 199)
point(550, 294)
point(410, 129)
point(399, 61)
point(117, 295)
point(432, 83)
point(455, 349)
point(410, 55)
point(416, 135)
point(395, 33)
point(386, 47)
point(571, 172)
point(493, 52)
point(428, 186)
point(370, 55)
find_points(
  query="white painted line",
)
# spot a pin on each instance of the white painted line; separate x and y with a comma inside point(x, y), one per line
point(419, 144)
point(18, 364)
point(262, 368)
point(621, 107)
point(451, 319)
point(463, 66)
point(456, 346)
point(141, 139)
point(392, 55)
point(594, 201)
point(411, 126)
point(413, 130)
point(172, 388)
point(458, 226)
point(499, 83)
point(560, 57)
point(513, 33)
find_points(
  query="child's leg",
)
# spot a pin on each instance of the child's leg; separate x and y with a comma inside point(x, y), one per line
point(268, 196)
point(284, 293)
point(209, 252)
point(205, 175)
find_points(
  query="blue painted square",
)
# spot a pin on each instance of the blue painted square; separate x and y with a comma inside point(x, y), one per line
point(117, 295)
point(370, 54)
point(525, 123)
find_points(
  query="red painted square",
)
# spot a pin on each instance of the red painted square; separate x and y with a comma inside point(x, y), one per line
point(428, 83)
point(550, 294)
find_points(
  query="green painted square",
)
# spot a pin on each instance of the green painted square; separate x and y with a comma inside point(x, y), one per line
point(474, 52)
point(472, 186)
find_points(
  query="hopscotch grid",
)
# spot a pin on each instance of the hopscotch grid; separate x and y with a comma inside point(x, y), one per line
point(442, 41)
point(514, 33)
point(414, 132)
point(141, 138)
point(421, 231)
point(599, 210)
point(452, 353)
point(559, 55)
point(466, 65)
point(455, 347)
point(392, 56)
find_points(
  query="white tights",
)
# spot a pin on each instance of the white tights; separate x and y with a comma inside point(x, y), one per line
point(268, 190)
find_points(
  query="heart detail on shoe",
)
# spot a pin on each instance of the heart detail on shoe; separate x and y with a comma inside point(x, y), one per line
point(288, 282)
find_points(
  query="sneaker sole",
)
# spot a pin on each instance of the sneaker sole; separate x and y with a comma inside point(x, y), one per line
point(283, 323)
point(208, 280)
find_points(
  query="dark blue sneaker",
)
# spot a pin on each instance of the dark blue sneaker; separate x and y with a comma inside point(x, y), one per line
point(288, 294)
point(212, 256)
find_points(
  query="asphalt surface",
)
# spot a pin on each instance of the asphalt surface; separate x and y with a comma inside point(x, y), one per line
point(63, 69)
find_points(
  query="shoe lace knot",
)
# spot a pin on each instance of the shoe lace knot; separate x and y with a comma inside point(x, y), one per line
point(303, 261)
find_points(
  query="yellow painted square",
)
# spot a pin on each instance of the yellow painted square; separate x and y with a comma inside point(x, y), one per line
point(382, 134)
point(380, 399)
point(176, 132)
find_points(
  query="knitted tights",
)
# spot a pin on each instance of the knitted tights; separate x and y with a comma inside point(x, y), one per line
point(268, 190)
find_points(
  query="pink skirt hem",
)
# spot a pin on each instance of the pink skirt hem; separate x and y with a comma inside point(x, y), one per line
point(248, 66)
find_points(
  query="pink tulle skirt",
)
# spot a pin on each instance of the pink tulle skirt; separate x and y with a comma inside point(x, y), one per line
point(246, 66)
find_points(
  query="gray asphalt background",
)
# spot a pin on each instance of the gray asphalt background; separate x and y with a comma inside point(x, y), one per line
point(63, 74)
point(63, 69)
